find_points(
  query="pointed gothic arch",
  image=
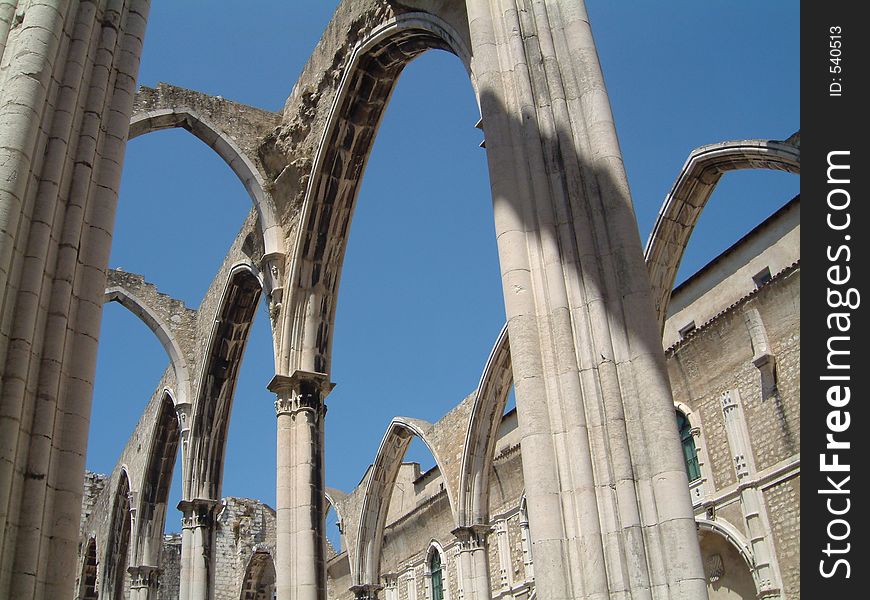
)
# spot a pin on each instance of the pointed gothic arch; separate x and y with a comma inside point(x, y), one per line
point(117, 551)
point(246, 168)
point(689, 195)
point(88, 577)
point(217, 380)
point(259, 580)
point(331, 191)
point(479, 450)
point(163, 332)
point(156, 482)
point(366, 564)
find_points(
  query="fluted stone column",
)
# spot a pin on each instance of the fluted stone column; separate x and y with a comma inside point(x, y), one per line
point(144, 582)
point(67, 81)
point(196, 546)
point(474, 562)
point(607, 492)
point(300, 561)
point(186, 544)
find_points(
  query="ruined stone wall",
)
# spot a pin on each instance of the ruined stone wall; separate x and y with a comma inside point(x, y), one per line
point(95, 483)
point(170, 567)
point(243, 526)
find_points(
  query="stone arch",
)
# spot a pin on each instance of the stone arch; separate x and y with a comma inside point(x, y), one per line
point(331, 191)
point(689, 195)
point(332, 497)
point(220, 367)
point(366, 564)
point(259, 581)
point(721, 537)
point(117, 551)
point(88, 577)
point(157, 479)
point(162, 330)
point(486, 413)
point(213, 136)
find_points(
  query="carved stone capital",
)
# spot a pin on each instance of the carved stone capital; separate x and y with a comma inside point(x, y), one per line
point(472, 537)
point(304, 390)
point(144, 576)
point(366, 591)
point(198, 512)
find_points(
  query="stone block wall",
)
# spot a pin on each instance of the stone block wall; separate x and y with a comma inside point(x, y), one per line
point(772, 419)
point(170, 567)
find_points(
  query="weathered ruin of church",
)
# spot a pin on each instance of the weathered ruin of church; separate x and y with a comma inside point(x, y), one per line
point(654, 449)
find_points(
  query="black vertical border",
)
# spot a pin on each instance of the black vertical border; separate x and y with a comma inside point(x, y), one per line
point(834, 123)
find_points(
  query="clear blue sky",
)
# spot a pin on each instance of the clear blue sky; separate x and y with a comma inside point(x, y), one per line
point(420, 302)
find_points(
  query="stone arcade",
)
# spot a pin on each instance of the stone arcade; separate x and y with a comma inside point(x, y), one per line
point(602, 508)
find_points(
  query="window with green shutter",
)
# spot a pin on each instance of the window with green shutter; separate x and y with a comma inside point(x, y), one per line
point(437, 576)
point(690, 453)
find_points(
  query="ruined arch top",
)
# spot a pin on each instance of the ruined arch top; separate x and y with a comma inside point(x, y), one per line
point(234, 131)
point(689, 195)
point(170, 320)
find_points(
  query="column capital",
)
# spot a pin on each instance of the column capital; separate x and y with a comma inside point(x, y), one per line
point(197, 512)
point(367, 591)
point(144, 576)
point(471, 537)
point(303, 390)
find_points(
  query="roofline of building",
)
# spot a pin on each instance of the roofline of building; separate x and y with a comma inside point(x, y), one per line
point(736, 245)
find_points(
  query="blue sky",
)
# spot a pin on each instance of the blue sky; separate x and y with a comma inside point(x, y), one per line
point(420, 302)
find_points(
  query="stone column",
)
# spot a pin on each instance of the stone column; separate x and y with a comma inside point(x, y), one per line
point(196, 542)
point(606, 487)
point(186, 509)
point(144, 582)
point(766, 571)
point(300, 561)
point(473, 562)
point(67, 84)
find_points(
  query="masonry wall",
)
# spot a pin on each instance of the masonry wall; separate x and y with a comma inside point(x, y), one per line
point(772, 420)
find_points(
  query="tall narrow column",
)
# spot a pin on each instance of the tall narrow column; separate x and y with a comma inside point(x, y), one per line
point(605, 484)
point(300, 409)
point(186, 508)
point(196, 541)
point(473, 563)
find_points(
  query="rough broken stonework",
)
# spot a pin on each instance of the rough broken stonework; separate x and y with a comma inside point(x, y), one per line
point(586, 491)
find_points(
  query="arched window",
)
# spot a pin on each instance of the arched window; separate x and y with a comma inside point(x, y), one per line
point(690, 453)
point(88, 582)
point(436, 575)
